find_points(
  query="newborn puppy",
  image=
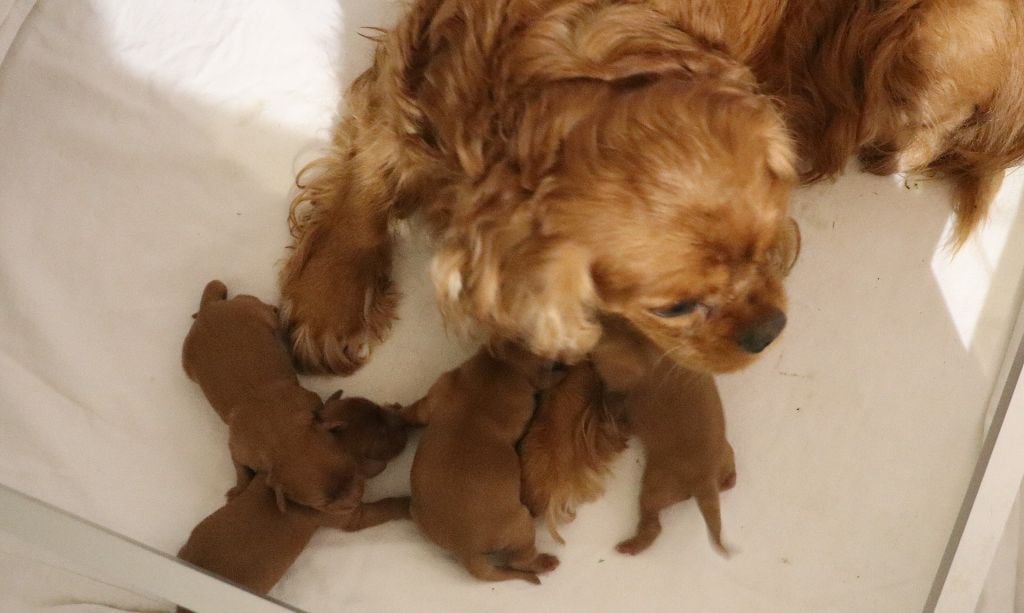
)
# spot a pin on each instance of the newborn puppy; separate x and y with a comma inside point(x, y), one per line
point(566, 451)
point(233, 351)
point(466, 473)
point(373, 435)
point(252, 542)
point(677, 415)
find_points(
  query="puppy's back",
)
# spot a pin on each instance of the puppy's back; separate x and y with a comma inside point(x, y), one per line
point(466, 475)
point(249, 540)
point(233, 347)
point(678, 415)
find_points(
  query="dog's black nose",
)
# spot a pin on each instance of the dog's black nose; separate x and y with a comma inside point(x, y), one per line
point(762, 333)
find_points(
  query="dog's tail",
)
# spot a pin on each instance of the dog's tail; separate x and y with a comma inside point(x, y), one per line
point(214, 290)
point(480, 567)
point(708, 503)
point(567, 450)
point(973, 193)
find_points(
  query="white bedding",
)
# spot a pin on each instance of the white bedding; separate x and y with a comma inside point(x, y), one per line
point(148, 147)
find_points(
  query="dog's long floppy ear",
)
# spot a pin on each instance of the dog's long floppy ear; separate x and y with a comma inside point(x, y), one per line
point(616, 42)
point(520, 285)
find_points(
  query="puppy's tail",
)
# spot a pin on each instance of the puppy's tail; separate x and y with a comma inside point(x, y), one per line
point(214, 290)
point(480, 567)
point(708, 503)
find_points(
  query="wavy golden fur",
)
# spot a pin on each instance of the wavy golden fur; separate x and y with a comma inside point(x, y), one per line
point(918, 86)
point(572, 158)
point(578, 159)
point(565, 453)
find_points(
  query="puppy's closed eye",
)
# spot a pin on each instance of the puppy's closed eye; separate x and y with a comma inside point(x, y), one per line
point(678, 309)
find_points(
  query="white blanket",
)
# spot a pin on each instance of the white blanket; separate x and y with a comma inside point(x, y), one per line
point(150, 146)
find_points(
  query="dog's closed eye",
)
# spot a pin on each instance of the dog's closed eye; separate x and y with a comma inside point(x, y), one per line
point(678, 309)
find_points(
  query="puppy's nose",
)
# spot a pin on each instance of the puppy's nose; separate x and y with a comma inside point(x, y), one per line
point(762, 333)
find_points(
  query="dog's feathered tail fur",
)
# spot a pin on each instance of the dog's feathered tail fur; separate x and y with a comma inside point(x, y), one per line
point(567, 450)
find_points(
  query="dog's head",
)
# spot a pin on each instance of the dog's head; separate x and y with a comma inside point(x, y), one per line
point(372, 433)
point(298, 448)
point(658, 199)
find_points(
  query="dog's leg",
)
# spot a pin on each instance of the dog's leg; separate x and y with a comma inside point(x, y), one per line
point(370, 514)
point(336, 287)
point(647, 530)
point(480, 567)
point(707, 502)
point(659, 490)
point(417, 413)
point(337, 295)
point(522, 553)
point(529, 560)
point(727, 471)
point(243, 475)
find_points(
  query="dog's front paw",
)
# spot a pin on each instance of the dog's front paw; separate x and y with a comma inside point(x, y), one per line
point(545, 563)
point(335, 316)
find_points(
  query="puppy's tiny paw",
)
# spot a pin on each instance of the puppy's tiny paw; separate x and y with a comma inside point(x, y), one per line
point(545, 563)
point(630, 547)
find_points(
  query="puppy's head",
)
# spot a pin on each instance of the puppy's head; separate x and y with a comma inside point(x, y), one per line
point(542, 373)
point(300, 455)
point(664, 204)
point(365, 429)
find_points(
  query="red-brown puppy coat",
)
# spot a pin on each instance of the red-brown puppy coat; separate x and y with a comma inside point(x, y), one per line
point(466, 473)
point(252, 542)
point(678, 417)
point(234, 353)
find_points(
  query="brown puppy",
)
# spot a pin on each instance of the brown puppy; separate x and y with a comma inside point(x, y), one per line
point(252, 542)
point(576, 433)
point(234, 353)
point(466, 474)
point(567, 448)
point(678, 417)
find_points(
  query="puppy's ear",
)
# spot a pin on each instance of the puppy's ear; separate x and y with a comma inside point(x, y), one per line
point(336, 395)
point(530, 288)
point(269, 315)
point(332, 424)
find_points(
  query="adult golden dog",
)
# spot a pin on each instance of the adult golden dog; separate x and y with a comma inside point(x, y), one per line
point(586, 157)
point(573, 158)
point(579, 160)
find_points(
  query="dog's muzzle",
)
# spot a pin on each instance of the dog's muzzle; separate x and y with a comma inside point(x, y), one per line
point(761, 334)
